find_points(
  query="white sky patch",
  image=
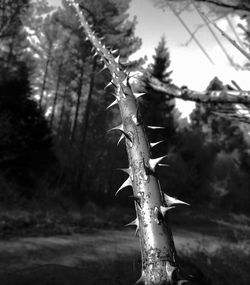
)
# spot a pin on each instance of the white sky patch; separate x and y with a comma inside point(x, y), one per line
point(189, 64)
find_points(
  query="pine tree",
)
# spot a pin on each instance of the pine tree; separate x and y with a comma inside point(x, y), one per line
point(157, 108)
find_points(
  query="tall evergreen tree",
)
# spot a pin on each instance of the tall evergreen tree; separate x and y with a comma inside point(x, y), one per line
point(157, 108)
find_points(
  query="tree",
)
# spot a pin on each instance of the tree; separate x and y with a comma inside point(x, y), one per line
point(157, 108)
point(12, 33)
point(26, 145)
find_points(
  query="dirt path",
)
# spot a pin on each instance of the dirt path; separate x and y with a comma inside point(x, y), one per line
point(97, 257)
point(100, 246)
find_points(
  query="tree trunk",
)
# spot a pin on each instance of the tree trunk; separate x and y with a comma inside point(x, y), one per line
point(56, 95)
point(62, 109)
point(78, 103)
point(85, 120)
point(45, 76)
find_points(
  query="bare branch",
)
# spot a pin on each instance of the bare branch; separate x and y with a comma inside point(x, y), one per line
point(214, 97)
point(224, 4)
point(233, 42)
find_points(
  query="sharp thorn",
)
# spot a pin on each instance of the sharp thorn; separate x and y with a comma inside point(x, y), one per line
point(117, 59)
point(125, 184)
point(119, 128)
point(137, 199)
point(135, 222)
point(104, 67)
point(112, 104)
point(163, 165)
point(126, 170)
point(109, 84)
point(114, 51)
point(155, 127)
point(141, 280)
point(170, 201)
point(164, 210)
point(138, 95)
point(153, 162)
point(120, 139)
point(156, 143)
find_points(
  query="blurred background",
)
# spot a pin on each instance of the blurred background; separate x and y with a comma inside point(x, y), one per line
point(60, 221)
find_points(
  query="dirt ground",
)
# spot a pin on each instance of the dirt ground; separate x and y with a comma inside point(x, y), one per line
point(79, 258)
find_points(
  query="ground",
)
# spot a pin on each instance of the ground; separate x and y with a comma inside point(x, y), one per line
point(111, 256)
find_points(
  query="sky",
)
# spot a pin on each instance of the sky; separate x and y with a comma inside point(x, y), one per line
point(189, 65)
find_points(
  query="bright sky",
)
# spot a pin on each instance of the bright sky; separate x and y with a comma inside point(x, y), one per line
point(190, 66)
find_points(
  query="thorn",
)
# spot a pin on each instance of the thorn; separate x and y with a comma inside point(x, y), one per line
point(137, 199)
point(155, 127)
point(141, 280)
point(164, 210)
point(163, 165)
point(120, 128)
point(126, 170)
point(156, 143)
point(125, 184)
point(93, 49)
point(120, 139)
point(154, 161)
point(109, 84)
point(138, 95)
point(173, 201)
point(112, 104)
point(117, 59)
point(104, 67)
point(114, 51)
point(135, 222)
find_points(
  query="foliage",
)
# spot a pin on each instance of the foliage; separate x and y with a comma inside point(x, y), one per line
point(26, 145)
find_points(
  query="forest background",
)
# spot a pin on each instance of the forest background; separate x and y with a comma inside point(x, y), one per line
point(57, 160)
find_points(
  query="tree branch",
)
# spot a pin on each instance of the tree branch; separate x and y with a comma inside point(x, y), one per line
point(238, 7)
point(214, 97)
point(223, 4)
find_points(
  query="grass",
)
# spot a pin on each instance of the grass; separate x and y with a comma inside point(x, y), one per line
point(81, 253)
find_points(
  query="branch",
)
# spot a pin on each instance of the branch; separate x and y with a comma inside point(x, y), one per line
point(214, 97)
point(233, 42)
point(239, 7)
point(223, 4)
